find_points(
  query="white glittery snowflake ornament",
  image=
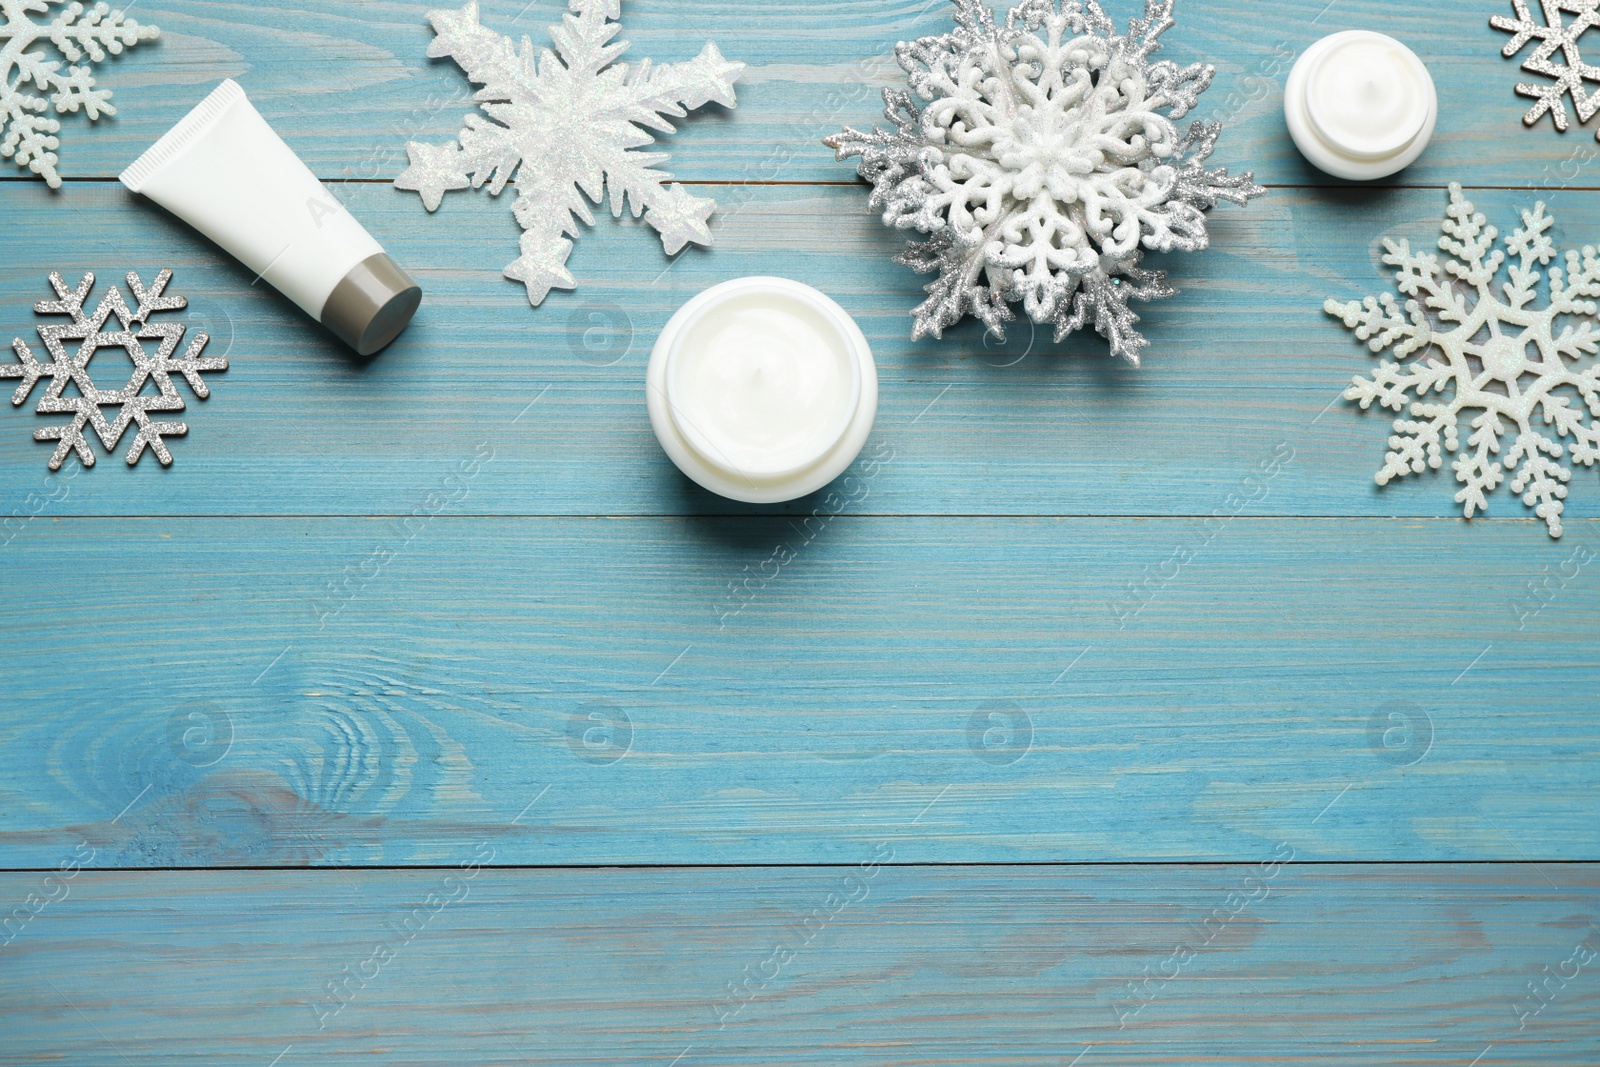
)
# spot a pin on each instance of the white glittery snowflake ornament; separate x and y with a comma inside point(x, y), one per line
point(1043, 163)
point(1514, 369)
point(70, 369)
point(83, 38)
point(1554, 34)
point(561, 126)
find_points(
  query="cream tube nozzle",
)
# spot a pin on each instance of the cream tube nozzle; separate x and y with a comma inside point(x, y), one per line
point(228, 174)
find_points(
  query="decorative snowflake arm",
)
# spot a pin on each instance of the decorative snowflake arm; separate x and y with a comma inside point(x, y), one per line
point(1142, 35)
point(100, 32)
point(1477, 471)
point(1178, 89)
point(1378, 321)
point(69, 435)
point(1553, 35)
point(1392, 385)
point(676, 89)
point(30, 140)
point(1532, 245)
point(487, 58)
point(1204, 188)
point(27, 367)
point(1417, 444)
point(1522, 28)
point(889, 160)
point(1540, 480)
point(483, 151)
point(150, 434)
point(84, 37)
point(1420, 274)
point(149, 300)
point(545, 209)
point(1569, 422)
point(190, 364)
point(1470, 241)
point(1573, 292)
point(1103, 301)
point(61, 367)
point(584, 37)
point(955, 293)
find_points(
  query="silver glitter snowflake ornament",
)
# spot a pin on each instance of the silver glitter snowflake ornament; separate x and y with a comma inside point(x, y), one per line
point(1042, 165)
point(562, 125)
point(1554, 34)
point(71, 369)
point(1484, 346)
point(83, 38)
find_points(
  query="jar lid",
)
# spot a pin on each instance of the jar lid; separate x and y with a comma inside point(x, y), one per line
point(1360, 105)
point(762, 389)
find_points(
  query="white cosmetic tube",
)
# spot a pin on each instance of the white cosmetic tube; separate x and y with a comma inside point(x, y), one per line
point(228, 174)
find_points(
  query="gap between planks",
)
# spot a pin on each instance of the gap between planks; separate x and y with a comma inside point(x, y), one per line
point(963, 865)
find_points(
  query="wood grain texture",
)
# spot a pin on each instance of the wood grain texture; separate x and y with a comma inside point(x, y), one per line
point(390, 687)
point(1304, 965)
point(348, 83)
point(1242, 362)
point(455, 607)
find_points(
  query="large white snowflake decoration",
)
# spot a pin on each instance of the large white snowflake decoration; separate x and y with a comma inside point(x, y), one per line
point(564, 124)
point(1553, 34)
point(86, 38)
point(1483, 346)
point(70, 370)
point(1043, 165)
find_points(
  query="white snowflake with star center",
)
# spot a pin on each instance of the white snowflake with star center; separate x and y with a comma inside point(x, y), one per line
point(70, 369)
point(83, 38)
point(1518, 374)
point(1043, 163)
point(562, 126)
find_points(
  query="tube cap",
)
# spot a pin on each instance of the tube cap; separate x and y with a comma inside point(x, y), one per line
point(372, 304)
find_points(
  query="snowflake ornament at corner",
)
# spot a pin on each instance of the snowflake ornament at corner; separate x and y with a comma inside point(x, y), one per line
point(561, 126)
point(83, 37)
point(1484, 347)
point(1554, 34)
point(1042, 163)
point(150, 368)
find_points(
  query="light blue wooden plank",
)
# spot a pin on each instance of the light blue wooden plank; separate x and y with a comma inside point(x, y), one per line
point(1243, 362)
point(348, 83)
point(1410, 965)
point(378, 691)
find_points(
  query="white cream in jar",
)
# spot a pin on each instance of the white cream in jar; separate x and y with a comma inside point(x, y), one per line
point(762, 389)
point(1360, 105)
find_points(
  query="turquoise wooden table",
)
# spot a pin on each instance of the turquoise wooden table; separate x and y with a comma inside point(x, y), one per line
point(313, 751)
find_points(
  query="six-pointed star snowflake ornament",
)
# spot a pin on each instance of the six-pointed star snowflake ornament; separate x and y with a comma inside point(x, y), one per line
point(70, 370)
point(1488, 352)
point(1042, 165)
point(562, 125)
point(1553, 34)
point(86, 38)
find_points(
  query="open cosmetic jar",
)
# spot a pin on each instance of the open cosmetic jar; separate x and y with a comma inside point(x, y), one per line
point(762, 389)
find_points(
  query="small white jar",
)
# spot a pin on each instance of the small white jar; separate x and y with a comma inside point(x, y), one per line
point(1360, 105)
point(762, 389)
